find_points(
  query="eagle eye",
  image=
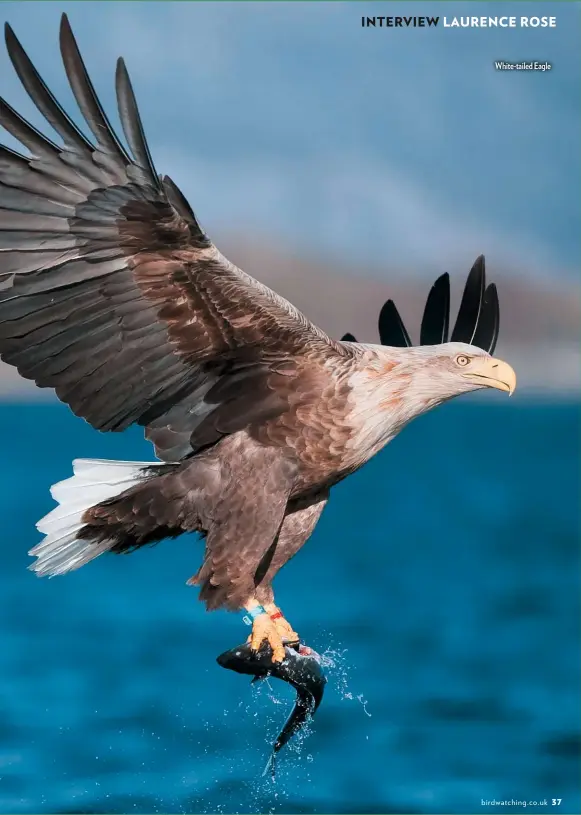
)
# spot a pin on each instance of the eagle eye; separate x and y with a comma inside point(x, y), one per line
point(462, 360)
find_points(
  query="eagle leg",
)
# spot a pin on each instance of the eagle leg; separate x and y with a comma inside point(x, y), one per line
point(270, 627)
point(283, 626)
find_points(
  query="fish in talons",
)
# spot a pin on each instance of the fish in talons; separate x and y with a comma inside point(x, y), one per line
point(271, 627)
point(301, 668)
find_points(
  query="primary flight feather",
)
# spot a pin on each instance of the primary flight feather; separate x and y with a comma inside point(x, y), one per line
point(112, 294)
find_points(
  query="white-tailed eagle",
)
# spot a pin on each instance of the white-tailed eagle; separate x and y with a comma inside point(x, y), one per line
point(112, 294)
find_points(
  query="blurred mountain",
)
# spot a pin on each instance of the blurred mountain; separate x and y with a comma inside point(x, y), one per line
point(339, 301)
point(539, 321)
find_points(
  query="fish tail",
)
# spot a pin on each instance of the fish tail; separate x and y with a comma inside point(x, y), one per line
point(270, 766)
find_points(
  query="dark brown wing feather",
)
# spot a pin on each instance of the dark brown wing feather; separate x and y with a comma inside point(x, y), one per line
point(436, 319)
point(112, 294)
point(392, 331)
point(471, 304)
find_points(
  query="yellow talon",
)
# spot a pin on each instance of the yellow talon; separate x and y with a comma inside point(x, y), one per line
point(285, 630)
point(270, 627)
point(265, 629)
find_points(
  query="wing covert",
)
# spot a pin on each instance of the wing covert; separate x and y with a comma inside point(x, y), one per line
point(111, 293)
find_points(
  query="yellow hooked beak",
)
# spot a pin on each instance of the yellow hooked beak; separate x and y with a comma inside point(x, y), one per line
point(492, 373)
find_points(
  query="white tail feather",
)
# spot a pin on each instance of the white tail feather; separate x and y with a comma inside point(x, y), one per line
point(93, 481)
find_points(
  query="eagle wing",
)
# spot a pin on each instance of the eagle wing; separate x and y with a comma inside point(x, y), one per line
point(112, 294)
point(477, 322)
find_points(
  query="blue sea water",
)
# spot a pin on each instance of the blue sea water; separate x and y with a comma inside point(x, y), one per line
point(443, 579)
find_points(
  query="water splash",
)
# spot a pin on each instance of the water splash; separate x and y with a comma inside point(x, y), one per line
point(338, 670)
point(255, 720)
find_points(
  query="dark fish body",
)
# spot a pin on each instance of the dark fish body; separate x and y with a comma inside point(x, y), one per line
point(301, 668)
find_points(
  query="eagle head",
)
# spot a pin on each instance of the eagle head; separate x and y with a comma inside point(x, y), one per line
point(424, 376)
point(398, 384)
point(436, 373)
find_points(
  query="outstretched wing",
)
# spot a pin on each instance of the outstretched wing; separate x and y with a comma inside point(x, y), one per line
point(111, 293)
point(477, 322)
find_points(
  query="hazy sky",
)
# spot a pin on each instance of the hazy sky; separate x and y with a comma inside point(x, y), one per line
point(291, 122)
